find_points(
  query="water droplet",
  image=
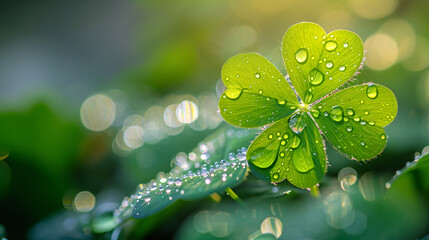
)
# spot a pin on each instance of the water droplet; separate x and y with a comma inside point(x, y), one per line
point(257, 75)
point(178, 181)
point(349, 128)
point(356, 119)
point(281, 101)
point(350, 112)
point(275, 176)
point(226, 78)
point(372, 123)
point(315, 113)
point(301, 55)
point(282, 154)
point(283, 142)
point(346, 44)
point(363, 123)
point(366, 113)
point(260, 91)
point(329, 64)
point(207, 181)
point(233, 93)
point(383, 136)
point(337, 114)
point(270, 136)
point(362, 143)
point(362, 101)
point(316, 77)
point(295, 142)
point(372, 91)
point(285, 136)
point(342, 68)
point(296, 123)
point(278, 134)
point(330, 46)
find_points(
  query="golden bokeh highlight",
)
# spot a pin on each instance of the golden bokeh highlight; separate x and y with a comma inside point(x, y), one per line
point(347, 177)
point(338, 210)
point(419, 59)
point(382, 51)
point(371, 9)
point(273, 226)
point(98, 112)
point(403, 33)
point(84, 201)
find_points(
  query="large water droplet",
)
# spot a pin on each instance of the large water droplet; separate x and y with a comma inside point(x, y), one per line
point(301, 55)
point(316, 77)
point(342, 68)
point(275, 176)
point(383, 136)
point(330, 46)
point(296, 123)
point(337, 114)
point(372, 91)
point(302, 164)
point(346, 44)
point(329, 64)
point(233, 93)
point(295, 142)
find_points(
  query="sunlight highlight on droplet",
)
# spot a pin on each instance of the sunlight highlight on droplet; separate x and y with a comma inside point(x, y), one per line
point(98, 112)
point(187, 112)
point(382, 51)
point(84, 201)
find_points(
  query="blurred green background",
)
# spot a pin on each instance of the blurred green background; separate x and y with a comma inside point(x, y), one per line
point(98, 96)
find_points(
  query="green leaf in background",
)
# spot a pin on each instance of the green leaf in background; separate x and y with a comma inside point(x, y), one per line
point(318, 64)
point(211, 167)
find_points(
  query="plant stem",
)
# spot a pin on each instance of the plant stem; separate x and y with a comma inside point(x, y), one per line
point(315, 191)
point(234, 196)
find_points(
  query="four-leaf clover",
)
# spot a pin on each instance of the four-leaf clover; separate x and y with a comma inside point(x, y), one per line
point(297, 110)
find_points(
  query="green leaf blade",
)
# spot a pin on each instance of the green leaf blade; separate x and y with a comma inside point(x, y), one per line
point(352, 119)
point(319, 63)
point(301, 157)
point(256, 91)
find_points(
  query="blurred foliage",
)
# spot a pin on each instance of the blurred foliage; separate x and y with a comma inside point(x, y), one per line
point(144, 54)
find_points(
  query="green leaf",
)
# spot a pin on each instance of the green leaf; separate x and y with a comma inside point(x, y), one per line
point(420, 168)
point(352, 119)
point(319, 63)
point(216, 164)
point(257, 93)
point(299, 157)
